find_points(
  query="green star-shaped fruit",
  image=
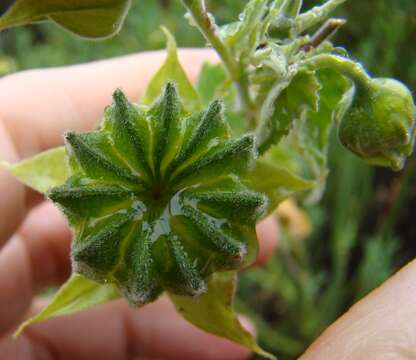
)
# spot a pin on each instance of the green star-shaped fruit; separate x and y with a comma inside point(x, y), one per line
point(157, 200)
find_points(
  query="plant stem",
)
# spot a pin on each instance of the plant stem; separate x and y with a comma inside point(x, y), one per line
point(237, 73)
point(323, 33)
point(347, 67)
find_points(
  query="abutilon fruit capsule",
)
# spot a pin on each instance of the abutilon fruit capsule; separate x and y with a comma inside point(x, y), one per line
point(379, 125)
point(157, 200)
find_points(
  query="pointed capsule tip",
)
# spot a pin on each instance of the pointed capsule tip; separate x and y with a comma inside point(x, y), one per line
point(70, 136)
point(170, 86)
point(217, 106)
point(171, 89)
point(119, 97)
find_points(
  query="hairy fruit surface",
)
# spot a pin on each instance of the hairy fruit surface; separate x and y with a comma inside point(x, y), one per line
point(156, 198)
point(381, 122)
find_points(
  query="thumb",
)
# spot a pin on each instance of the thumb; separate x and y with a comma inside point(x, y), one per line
point(381, 326)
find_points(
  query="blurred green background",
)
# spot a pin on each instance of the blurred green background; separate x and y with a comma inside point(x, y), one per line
point(362, 230)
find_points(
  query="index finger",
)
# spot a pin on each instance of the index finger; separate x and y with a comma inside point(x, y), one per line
point(38, 106)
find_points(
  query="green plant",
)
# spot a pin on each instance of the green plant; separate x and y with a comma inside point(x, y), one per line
point(144, 171)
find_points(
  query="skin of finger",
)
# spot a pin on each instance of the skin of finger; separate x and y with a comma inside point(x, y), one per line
point(36, 257)
point(267, 232)
point(381, 326)
point(115, 331)
point(15, 282)
point(52, 101)
point(43, 104)
point(39, 257)
point(12, 198)
point(23, 348)
point(47, 237)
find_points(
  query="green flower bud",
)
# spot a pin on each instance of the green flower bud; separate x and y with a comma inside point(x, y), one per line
point(156, 200)
point(379, 125)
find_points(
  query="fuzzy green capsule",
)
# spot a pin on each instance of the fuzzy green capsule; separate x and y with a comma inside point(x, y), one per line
point(379, 125)
point(156, 198)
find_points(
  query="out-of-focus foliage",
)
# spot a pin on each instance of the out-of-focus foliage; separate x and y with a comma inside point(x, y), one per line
point(381, 34)
point(7, 65)
point(87, 18)
point(51, 46)
point(361, 228)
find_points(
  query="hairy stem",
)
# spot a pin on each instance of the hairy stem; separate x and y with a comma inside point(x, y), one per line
point(349, 68)
point(237, 73)
point(323, 33)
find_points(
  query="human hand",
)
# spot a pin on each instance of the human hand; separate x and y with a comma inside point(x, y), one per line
point(37, 107)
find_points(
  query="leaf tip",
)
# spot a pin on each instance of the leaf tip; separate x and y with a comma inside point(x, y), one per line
point(170, 40)
point(23, 326)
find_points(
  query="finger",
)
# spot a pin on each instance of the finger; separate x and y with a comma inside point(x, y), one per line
point(38, 106)
point(53, 101)
point(115, 331)
point(268, 236)
point(38, 256)
point(12, 203)
point(15, 283)
point(381, 326)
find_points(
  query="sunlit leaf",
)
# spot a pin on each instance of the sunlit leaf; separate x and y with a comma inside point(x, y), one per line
point(213, 312)
point(276, 182)
point(301, 95)
point(43, 171)
point(213, 84)
point(210, 81)
point(78, 293)
point(87, 18)
point(305, 150)
point(173, 71)
point(244, 36)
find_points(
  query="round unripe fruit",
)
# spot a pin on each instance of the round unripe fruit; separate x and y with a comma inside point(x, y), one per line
point(379, 125)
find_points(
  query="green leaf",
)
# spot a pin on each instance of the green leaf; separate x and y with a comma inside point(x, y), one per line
point(316, 15)
point(288, 104)
point(276, 182)
point(87, 18)
point(291, 8)
point(213, 312)
point(78, 293)
point(334, 86)
point(210, 81)
point(244, 36)
point(173, 71)
point(301, 95)
point(313, 131)
point(305, 150)
point(213, 84)
point(43, 171)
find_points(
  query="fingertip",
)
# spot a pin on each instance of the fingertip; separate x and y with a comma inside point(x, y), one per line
point(159, 331)
point(15, 283)
point(381, 323)
point(47, 238)
point(268, 236)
